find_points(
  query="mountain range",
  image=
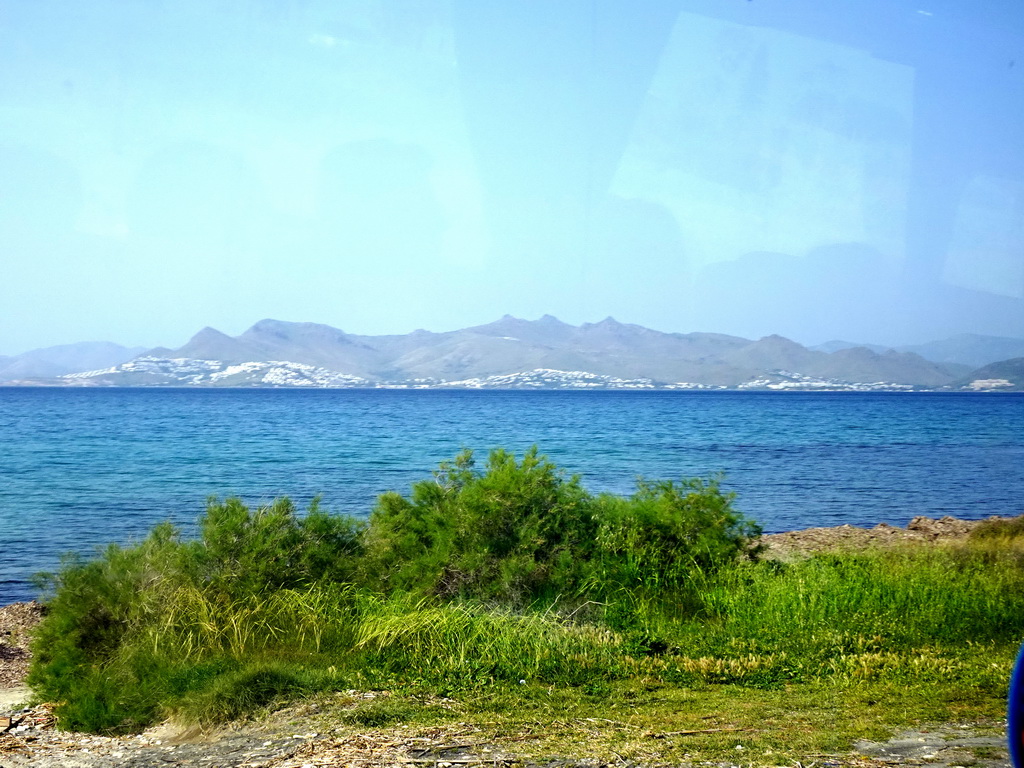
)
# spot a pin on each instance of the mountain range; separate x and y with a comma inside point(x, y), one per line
point(512, 352)
point(968, 349)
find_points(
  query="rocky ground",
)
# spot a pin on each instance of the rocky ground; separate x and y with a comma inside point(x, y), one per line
point(16, 622)
point(794, 544)
point(302, 737)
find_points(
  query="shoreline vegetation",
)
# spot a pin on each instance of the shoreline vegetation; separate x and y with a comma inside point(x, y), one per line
point(508, 597)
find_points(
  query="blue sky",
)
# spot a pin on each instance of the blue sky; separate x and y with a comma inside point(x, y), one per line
point(816, 168)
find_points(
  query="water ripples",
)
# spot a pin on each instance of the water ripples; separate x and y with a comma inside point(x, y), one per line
point(80, 468)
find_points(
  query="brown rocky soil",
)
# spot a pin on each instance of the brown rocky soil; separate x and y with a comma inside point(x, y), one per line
point(300, 738)
point(16, 623)
point(925, 530)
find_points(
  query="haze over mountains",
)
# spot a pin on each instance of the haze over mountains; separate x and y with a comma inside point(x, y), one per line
point(968, 349)
point(507, 352)
point(65, 358)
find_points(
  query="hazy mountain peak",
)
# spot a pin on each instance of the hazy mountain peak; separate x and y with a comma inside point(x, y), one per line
point(503, 323)
point(773, 352)
point(211, 344)
point(860, 353)
point(268, 324)
point(969, 349)
point(209, 334)
point(975, 338)
point(776, 341)
point(609, 323)
point(288, 328)
point(511, 324)
point(837, 344)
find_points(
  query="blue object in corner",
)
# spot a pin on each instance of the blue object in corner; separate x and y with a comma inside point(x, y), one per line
point(1015, 713)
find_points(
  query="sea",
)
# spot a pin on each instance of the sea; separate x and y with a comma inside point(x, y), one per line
point(80, 468)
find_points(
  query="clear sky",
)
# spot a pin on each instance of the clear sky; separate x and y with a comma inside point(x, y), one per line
point(821, 169)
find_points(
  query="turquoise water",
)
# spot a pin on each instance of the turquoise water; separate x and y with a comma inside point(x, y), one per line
point(82, 467)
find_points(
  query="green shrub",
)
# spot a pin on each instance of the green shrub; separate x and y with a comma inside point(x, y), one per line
point(241, 692)
point(136, 629)
point(510, 533)
point(521, 532)
point(96, 605)
point(1009, 528)
point(668, 537)
point(244, 552)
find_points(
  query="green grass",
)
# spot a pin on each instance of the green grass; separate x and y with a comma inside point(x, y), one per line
point(646, 721)
point(513, 590)
point(651, 723)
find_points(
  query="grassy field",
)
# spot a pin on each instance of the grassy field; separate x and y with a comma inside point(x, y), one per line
point(509, 600)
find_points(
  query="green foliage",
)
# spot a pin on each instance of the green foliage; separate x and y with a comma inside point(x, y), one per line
point(511, 533)
point(455, 645)
point(666, 542)
point(240, 692)
point(521, 532)
point(242, 552)
point(1011, 528)
point(135, 628)
point(96, 605)
point(913, 614)
point(485, 577)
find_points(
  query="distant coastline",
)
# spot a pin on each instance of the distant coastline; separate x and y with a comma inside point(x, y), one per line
point(517, 354)
point(150, 372)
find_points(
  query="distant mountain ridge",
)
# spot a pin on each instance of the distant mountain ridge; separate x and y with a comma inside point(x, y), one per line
point(606, 353)
point(55, 361)
point(1003, 376)
point(509, 352)
point(968, 350)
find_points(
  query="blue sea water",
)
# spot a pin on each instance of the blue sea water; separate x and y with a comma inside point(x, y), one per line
point(83, 467)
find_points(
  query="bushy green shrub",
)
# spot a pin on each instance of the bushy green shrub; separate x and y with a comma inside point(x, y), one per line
point(669, 535)
point(519, 532)
point(480, 575)
point(96, 605)
point(132, 627)
point(243, 552)
point(509, 533)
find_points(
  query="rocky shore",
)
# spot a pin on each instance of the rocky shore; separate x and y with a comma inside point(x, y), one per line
point(308, 735)
point(924, 530)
